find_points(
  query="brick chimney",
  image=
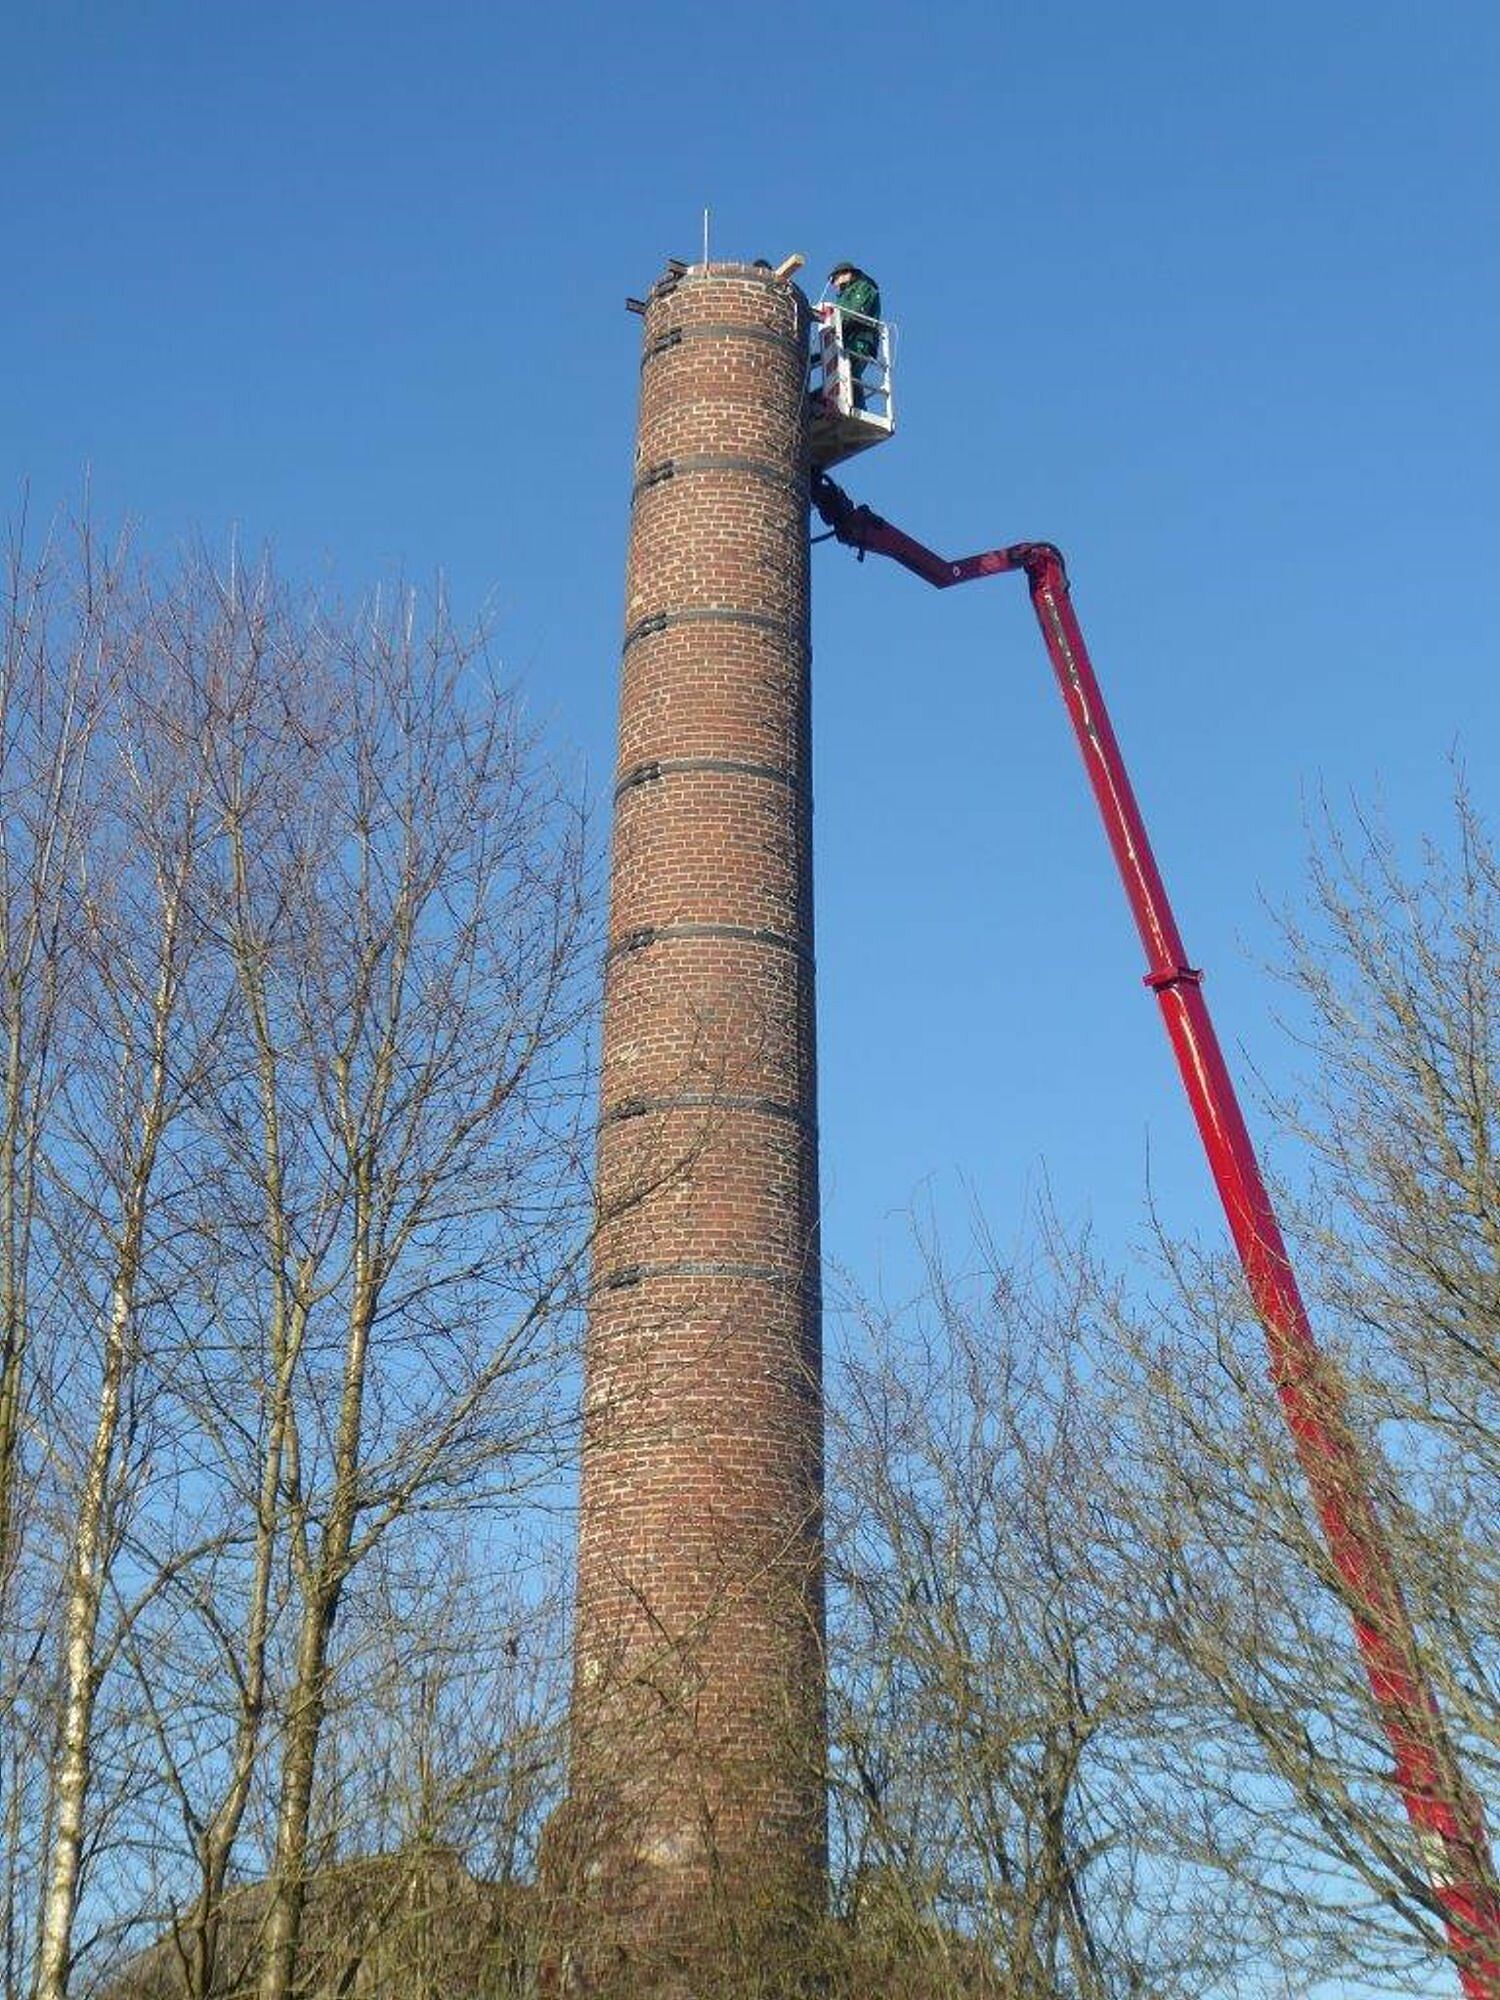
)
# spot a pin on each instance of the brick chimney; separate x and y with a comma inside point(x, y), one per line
point(696, 1810)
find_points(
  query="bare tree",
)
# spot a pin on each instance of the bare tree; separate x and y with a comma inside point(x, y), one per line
point(1393, 976)
point(435, 947)
point(1008, 1793)
point(51, 685)
point(300, 1137)
point(115, 1159)
point(55, 620)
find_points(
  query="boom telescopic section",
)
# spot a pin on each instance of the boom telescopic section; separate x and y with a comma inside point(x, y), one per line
point(1441, 1807)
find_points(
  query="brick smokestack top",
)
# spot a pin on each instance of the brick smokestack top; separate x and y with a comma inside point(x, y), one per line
point(697, 1779)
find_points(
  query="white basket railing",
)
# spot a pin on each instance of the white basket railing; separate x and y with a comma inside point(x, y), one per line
point(851, 383)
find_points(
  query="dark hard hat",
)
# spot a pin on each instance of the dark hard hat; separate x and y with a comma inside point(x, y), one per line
point(846, 264)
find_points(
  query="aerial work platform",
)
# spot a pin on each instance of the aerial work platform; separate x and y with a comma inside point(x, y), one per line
point(849, 384)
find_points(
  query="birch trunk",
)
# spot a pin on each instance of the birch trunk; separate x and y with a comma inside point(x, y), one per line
point(84, 1589)
point(141, 1127)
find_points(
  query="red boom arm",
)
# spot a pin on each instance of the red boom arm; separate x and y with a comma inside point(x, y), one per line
point(1445, 1813)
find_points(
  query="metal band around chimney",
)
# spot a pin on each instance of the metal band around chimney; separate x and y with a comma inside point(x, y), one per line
point(713, 330)
point(746, 274)
point(704, 1100)
point(650, 934)
point(714, 461)
point(708, 614)
point(625, 1275)
point(729, 767)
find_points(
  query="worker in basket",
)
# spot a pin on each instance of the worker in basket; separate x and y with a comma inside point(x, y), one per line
point(856, 292)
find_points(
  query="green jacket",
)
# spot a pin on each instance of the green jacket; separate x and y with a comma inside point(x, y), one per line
point(860, 295)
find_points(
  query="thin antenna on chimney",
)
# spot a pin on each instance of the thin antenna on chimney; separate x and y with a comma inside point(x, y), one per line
point(705, 239)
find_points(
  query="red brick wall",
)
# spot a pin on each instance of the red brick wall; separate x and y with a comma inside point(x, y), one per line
point(698, 1703)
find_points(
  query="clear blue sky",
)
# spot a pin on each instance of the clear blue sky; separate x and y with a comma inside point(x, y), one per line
point(1204, 292)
